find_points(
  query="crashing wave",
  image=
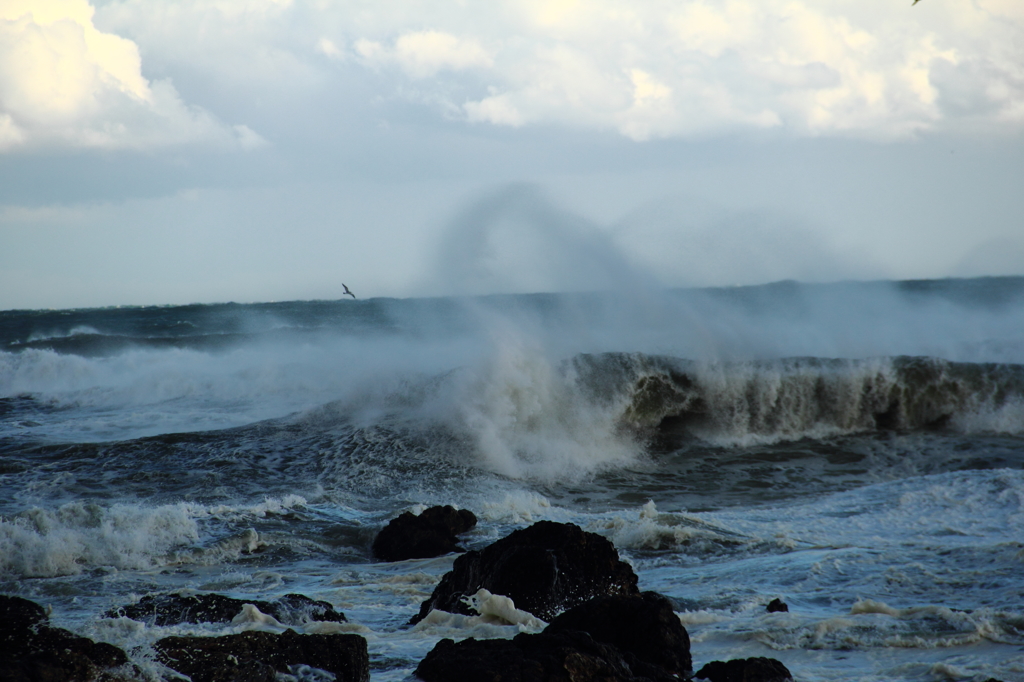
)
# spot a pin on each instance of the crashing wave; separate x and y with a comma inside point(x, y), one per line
point(803, 397)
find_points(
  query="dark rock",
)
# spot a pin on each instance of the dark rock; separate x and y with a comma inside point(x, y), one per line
point(545, 569)
point(171, 609)
point(776, 605)
point(430, 534)
point(33, 651)
point(571, 656)
point(745, 670)
point(258, 656)
point(295, 609)
point(18, 616)
point(643, 627)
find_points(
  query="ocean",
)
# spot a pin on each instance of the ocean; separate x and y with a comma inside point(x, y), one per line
point(854, 449)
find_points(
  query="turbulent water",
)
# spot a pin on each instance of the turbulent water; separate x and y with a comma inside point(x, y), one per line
point(856, 450)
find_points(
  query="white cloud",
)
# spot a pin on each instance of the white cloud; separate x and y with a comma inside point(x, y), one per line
point(646, 69)
point(497, 109)
point(738, 63)
point(64, 82)
point(422, 54)
point(329, 49)
point(248, 138)
point(810, 67)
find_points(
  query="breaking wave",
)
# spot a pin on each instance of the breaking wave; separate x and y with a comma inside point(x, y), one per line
point(792, 398)
point(521, 416)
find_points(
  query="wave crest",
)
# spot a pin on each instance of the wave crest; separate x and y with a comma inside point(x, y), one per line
point(765, 401)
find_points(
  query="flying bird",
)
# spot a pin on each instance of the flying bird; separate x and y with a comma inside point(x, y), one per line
point(915, 2)
point(347, 292)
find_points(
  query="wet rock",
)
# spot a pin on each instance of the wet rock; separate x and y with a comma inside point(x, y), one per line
point(259, 656)
point(644, 628)
point(33, 651)
point(545, 569)
point(430, 534)
point(171, 609)
point(572, 656)
point(19, 615)
point(745, 670)
point(776, 605)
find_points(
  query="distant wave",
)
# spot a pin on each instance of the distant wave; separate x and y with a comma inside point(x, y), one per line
point(93, 343)
point(80, 330)
point(792, 398)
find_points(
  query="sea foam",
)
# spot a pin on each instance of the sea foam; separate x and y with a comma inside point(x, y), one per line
point(78, 536)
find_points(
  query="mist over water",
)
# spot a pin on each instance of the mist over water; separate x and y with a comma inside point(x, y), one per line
point(516, 240)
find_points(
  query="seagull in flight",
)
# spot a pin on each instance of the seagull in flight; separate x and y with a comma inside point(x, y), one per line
point(915, 2)
point(347, 292)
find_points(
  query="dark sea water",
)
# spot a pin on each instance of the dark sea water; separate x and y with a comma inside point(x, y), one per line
point(856, 450)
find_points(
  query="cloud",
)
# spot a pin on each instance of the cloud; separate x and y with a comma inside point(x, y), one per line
point(329, 49)
point(806, 67)
point(710, 66)
point(422, 54)
point(63, 82)
point(646, 70)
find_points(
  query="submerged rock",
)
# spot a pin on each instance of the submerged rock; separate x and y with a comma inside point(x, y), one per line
point(608, 639)
point(259, 656)
point(171, 609)
point(430, 534)
point(545, 569)
point(34, 651)
point(745, 670)
point(776, 605)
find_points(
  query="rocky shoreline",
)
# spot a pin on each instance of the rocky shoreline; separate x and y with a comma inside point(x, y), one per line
point(597, 624)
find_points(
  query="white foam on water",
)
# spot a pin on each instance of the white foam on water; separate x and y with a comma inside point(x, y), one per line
point(887, 581)
point(647, 529)
point(78, 536)
point(498, 618)
point(961, 508)
point(252, 617)
point(862, 634)
point(923, 627)
point(520, 507)
point(502, 609)
point(270, 506)
point(701, 617)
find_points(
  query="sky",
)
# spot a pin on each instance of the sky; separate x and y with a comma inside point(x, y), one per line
point(159, 152)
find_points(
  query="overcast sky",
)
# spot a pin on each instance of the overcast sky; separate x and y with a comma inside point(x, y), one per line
point(159, 152)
